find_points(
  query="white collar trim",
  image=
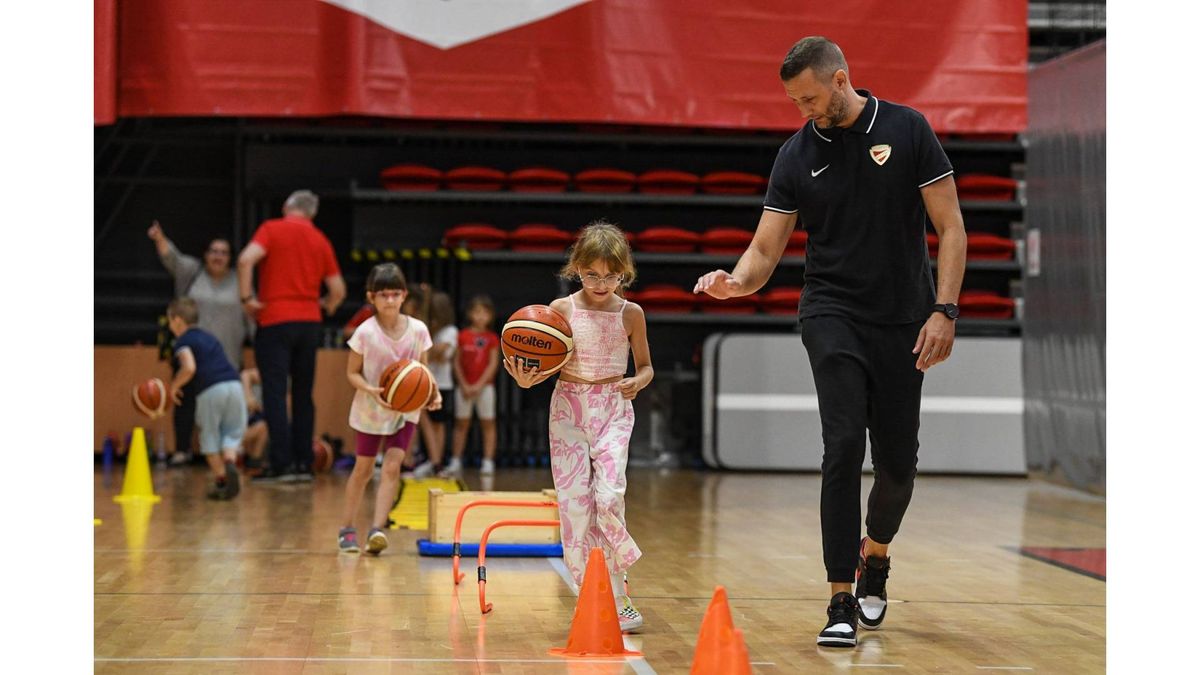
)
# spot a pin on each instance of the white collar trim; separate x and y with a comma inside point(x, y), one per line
point(873, 115)
point(818, 132)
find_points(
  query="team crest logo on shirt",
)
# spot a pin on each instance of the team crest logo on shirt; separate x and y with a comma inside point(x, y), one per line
point(880, 153)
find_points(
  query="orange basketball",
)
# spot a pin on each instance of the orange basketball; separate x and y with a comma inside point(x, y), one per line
point(322, 455)
point(150, 397)
point(537, 336)
point(407, 385)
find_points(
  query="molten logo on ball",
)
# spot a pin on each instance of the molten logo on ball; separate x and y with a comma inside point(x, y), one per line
point(531, 341)
point(536, 336)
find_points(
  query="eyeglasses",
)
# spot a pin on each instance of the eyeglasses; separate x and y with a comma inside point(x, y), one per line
point(592, 280)
point(389, 295)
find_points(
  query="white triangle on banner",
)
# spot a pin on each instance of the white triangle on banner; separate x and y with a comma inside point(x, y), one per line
point(446, 24)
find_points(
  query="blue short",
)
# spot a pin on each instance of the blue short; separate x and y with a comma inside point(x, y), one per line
point(221, 416)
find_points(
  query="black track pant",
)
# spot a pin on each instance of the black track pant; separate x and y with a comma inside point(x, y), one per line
point(283, 351)
point(867, 383)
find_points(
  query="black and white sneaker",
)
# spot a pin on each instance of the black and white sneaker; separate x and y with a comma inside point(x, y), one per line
point(628, 616)
point(871, 590)
point(842, 628)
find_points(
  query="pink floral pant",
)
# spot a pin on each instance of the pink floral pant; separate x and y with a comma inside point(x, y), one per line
point(590, 426)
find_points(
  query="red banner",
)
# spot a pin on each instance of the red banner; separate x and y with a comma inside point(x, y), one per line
point(104, 64)
point(697, 63)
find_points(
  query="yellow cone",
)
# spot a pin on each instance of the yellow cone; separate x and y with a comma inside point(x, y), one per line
point(138, 486)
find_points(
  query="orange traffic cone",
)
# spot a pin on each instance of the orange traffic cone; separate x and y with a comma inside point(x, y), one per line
point(735, 659)
point(595, 629)
point(708, 648)
point(720, 648)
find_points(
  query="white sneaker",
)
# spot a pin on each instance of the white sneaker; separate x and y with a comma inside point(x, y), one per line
point(423, 470)
point(452, 470)
point(628, 615)
point(487, 468)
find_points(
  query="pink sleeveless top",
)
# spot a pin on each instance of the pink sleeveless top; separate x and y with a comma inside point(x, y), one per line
point(601, 345)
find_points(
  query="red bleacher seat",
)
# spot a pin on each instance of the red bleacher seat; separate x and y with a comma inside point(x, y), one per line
point(479, 178)
point(733, 183)
point(782, 300)
point(666, 240)
point(668, 182)
point(725, 241)
point(539, 237)
point(663, 298)
point(410, 177)
point(605, 180)
point(985, 305)
point(475, 236)
point(977, 186)
point(746, 304)
point(989, 247)
point(538, 179)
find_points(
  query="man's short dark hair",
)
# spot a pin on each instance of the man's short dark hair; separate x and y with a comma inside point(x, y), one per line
point(816, 52)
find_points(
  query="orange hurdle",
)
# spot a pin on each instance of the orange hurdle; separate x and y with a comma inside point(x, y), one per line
point(456, 552)
point(484, 606)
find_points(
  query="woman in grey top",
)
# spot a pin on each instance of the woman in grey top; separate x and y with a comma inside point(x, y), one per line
point(213, 285)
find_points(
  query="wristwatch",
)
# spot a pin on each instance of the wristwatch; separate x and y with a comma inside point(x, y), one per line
point(949, 309)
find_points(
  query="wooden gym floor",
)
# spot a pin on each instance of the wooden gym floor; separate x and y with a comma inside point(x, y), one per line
point(256, 585)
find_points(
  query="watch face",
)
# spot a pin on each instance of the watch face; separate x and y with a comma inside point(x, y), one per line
point(952, 311)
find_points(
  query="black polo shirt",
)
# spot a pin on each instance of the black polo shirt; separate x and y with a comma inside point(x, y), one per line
point(858, 193)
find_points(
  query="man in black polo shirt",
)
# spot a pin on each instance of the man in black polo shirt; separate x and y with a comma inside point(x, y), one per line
point(861, 175)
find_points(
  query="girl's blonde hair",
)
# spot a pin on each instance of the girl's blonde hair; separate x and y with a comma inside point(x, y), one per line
point(601, 240)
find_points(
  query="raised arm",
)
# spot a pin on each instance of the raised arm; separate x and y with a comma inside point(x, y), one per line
point(182, 268)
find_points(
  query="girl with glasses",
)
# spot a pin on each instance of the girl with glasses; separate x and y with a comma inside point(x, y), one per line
point(591, 410)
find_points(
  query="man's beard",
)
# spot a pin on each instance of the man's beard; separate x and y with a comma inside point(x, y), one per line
point(839, 109)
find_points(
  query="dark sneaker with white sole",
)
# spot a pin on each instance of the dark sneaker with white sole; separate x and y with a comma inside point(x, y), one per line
point(376, 541)
point(348, 540)
point(871, 591)
point(842, 629)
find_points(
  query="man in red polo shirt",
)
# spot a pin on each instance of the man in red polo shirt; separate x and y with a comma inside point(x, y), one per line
point(293, 258)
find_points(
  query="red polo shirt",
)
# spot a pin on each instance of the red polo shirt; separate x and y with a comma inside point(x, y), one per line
point(299, 257)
